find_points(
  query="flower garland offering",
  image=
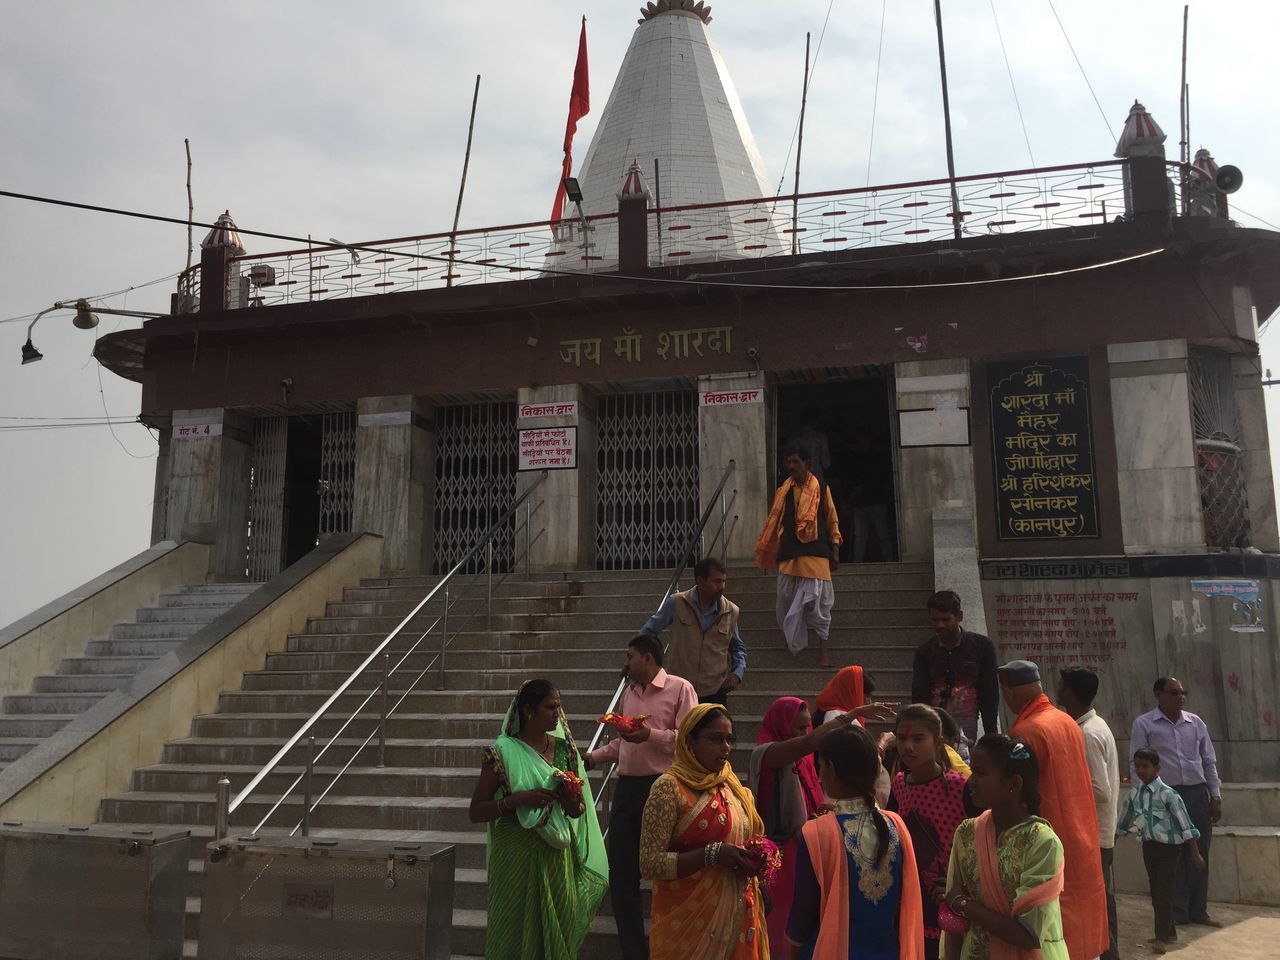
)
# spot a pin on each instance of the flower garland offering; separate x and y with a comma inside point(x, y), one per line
point(624, 724)
point(570, 784)
point(767, 852)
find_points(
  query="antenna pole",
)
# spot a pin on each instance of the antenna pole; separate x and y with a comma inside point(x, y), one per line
point(657, 187)
point(946, 119)
point(1184, 145)
point(795, 194)
point(466, 162)
point(190, 204)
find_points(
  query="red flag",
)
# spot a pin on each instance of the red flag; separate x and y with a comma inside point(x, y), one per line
point(579, 107)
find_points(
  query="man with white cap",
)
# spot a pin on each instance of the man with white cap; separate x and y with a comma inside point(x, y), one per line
point(1066, 791)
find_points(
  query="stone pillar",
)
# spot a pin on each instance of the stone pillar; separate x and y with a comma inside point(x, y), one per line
point(740, 432)
point(563, 531)
point(160, 501)
point(1155, 448)
point(935, 455)
point(395, 479)
point(1258, 479)
point(209, 486)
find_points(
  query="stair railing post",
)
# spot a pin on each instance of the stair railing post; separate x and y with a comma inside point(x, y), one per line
point(382, 719)
point(528, 524)
point(444, 638)
point(306, 786)
point(221, 814)
point(488, 563)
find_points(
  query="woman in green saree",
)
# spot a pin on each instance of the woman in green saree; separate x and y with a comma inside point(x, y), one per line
point(545, 855)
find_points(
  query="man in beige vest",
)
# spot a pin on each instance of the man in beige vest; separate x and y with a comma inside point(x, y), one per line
point(705, 647)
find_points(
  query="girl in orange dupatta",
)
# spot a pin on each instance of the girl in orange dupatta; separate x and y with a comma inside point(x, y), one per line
point(706, 895)
point(856, 893)
point(1005, 874)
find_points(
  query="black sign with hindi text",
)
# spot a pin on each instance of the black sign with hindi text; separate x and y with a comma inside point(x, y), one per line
point(1042, 448)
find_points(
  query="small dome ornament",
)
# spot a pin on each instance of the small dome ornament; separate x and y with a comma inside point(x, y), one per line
point(656, 8)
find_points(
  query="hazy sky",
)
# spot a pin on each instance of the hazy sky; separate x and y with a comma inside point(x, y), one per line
point(349, 120)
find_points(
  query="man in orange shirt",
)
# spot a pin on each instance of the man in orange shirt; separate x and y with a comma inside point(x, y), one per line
point(802, 536)
point(1066, 791)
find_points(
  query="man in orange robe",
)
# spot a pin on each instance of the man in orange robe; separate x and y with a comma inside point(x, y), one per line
point(1066, 791)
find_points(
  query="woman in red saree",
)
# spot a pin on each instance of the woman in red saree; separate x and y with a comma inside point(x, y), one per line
point(706, 896)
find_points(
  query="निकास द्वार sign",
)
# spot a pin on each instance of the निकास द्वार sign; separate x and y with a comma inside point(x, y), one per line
point(548, 448)
point(729, 398)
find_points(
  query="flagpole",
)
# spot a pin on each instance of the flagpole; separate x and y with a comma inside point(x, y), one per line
point(946, 119)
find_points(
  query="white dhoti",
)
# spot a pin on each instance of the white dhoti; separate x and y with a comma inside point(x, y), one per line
point(804, 602)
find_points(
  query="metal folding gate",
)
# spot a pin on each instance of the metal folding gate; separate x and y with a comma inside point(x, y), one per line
point(267, 458)
point(268, 485)
point(476, 460)
point(647, 479)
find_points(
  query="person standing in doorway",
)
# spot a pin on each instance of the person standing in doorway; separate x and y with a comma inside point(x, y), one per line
point(802, 536)
point(1077, 688)
point(641, 757)
point(1067, 798)
point(955, 669)
point(872, 490)
point(706, 648)
point(1189, 764)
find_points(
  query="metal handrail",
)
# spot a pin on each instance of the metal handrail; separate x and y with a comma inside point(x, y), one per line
point(694, 538)
point(484, 542)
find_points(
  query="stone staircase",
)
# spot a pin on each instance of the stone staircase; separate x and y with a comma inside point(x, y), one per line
point(569, 628)
point(108, 664)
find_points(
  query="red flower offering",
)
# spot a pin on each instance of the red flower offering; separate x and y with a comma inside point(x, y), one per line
point(570, 784)
point(624, 724)
point(768, 853)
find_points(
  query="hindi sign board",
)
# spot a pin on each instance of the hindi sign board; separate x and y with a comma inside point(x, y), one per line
point(1042, 448)
point(532, 411)
point(729, 398)
point(549, 448)
point(196, 428)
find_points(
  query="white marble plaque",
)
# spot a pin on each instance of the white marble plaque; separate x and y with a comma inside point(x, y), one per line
point(936, 427)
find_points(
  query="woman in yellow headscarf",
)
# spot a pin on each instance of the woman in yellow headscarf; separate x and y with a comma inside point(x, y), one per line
point(707, 902)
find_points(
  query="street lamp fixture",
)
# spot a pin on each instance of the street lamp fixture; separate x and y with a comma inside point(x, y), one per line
point(85, 319)
point(572, 190)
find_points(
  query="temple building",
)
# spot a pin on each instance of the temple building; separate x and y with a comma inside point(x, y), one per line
point(1051, 383)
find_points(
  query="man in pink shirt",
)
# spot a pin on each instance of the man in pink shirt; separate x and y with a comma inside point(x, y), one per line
point(641, 757)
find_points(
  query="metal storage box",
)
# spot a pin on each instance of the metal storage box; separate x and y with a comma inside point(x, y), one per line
point(101, 892)
point(312, 899)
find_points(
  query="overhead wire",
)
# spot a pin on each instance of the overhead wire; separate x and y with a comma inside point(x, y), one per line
point(26, 317)
point(812, 69)
point(875, 95)
point(1013, 86)
point(1102, 113)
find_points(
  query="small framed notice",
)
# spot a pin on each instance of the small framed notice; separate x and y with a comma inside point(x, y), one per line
point(549, 448)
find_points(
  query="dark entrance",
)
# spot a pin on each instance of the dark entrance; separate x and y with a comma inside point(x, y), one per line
point(847, 426)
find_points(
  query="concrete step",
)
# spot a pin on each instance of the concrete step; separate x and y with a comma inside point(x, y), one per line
point(149, 647)
point(1243, 865)
point(1243, 804)
point(153, 631)
point(11, 748)
point(848, 579)
point(80, 683)
point(367, 631)
point(33, 725)
point(211, 601)
point(29, 704)
point(97, 666)
point(181, 614)
point(238, 589)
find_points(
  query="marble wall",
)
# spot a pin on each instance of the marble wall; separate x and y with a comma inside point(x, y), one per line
point(1134, 630)
point(937, 475)
point(1155, 452)
point(740, 433)
point(395, 479)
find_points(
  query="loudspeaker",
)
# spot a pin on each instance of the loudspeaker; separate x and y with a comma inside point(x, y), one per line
point(1229, 179)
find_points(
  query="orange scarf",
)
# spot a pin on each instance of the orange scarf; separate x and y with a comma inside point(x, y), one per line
point(806, 520)
point(844, 691)
point(993, 894)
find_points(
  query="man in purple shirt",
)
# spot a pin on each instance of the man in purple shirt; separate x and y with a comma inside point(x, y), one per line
point(1189, 765)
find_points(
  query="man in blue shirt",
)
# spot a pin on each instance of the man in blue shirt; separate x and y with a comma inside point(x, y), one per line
point(705, 648)
point(1189, 764)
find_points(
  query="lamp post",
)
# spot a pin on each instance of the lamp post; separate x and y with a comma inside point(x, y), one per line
point(573, 191)
point(85, 319)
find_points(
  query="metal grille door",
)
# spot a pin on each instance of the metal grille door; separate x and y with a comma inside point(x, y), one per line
point(648, 479)
point(476, 458)
point(337, 472)
point(1219, 459)
point(266, 497)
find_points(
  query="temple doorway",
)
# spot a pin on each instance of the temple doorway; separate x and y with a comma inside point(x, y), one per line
point(848, 428)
